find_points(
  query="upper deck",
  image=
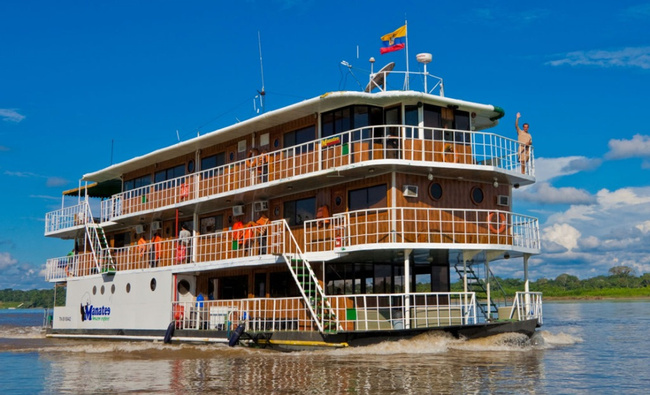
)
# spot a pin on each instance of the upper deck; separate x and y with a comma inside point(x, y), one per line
point(356, 153)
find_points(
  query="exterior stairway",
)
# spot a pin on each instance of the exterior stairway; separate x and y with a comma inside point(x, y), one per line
point(104, 261)
point(476, 284)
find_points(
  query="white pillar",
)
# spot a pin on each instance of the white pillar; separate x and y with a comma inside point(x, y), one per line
point(526, 285)
point(407, 289)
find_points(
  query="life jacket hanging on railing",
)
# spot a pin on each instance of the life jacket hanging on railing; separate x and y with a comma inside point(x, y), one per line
point(324, 214)
point(184, 191)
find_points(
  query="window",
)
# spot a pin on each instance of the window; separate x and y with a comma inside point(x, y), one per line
point(477, 195)
point(233, 287)
point(296, 212)
point(300, 136)
point(137, 183)
point(411, 118)
point(212, 161)
point(352, 117)
point(435, 191)
point(211, 224)
point(121, 239)
point(169, 174)
point(432, 119)
point(371, 197)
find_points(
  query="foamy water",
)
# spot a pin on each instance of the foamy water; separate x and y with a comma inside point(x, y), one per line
point(593, 348)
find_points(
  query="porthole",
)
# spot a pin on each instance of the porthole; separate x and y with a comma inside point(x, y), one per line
point(183, 287)
point(276, 211)
point(435, 191)
point(128, 287)
point(190, 166)
point(232, 156)
point(102, 290)
point(94, 290)
point(338, 201)
point(153, 284)
point(276, 143)
point(113, 288)
point(477, 195)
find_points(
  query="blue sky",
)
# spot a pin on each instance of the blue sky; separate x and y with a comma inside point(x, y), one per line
point(77, 77)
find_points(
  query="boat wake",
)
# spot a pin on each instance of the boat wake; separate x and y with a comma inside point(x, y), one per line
point(21, 332)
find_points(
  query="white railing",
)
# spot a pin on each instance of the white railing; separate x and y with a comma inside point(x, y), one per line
point(67, 217)
point(527, 305)
point(355, 312)
point(397, 226)
point(405, 225)
point(408, 144)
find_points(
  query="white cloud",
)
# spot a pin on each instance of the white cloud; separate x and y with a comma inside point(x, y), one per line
point(6, 260)
point(56, 181)
point(549, 168)
point(10, 115)
point(545, 193)
point(626, 57)
point(563, 234)
point(644, 227)
point(637, 147)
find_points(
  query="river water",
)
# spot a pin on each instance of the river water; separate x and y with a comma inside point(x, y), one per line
point(583, 347)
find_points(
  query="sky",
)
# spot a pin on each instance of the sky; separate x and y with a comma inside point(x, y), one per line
point(84, 84)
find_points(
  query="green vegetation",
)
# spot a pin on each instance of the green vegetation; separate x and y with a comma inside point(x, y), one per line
point(620, 283)
point(29, 299)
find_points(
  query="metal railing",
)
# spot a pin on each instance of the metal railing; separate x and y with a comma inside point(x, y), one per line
point(408, 144)
point(527, 305)
point(67, 217)
point(355, 312)
point(396, 226)
point(404, 225)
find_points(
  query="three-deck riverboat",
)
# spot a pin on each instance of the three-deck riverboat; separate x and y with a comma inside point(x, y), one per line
point(337, 221)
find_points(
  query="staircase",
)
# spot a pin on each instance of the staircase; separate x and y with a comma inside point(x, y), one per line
point(104, 261)
point(312, 292)
point(476, 284)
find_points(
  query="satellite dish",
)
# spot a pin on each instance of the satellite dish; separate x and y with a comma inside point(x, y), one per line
point(378, 79)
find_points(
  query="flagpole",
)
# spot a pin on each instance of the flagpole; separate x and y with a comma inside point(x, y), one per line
point(407, 54)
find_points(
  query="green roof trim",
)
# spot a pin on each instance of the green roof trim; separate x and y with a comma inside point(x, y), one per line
point(500, 113)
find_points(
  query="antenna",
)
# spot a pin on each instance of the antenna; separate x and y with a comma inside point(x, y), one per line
point(262, 92)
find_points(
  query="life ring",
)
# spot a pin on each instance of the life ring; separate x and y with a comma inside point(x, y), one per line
point(502, 222)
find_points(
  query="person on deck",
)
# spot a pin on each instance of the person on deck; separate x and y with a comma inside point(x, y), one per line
point(184, 245)
point(155, 250)
point(525, 141)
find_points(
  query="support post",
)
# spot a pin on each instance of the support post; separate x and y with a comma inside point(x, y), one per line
point(407, 289)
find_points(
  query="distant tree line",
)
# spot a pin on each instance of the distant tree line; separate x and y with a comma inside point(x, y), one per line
point(34, 298)
point(621, 282)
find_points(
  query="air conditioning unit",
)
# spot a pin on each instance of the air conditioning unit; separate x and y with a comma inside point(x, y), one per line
point(503, 200)
point(156, 225)
point(261, 205)
point(139, 229)
point(410, 190)
point(237, 210)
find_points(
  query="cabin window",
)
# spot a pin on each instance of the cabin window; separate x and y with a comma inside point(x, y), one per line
point(137, 182)
point(152, 284)
point(435, 191)
point(432, 119)
point(298, 137)
point(296, 212)
point(213, 161)
point(211, 224)
point(121, 239)
point(168, 175)
point(365, 198)
point(461, 122)
point(411, 118)
point(190, 166)
point(233, 287)
point(282, 285)
point(352, 117)
point(477, 196)
point(183, 287)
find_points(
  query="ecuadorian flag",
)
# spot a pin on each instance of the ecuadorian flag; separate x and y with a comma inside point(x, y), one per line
point(394, 41)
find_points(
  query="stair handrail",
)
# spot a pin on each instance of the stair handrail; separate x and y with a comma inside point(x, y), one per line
point(100, 252)
point(296, 256)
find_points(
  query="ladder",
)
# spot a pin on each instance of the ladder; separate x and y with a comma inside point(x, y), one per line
point(476, 284)
point(312, 293)
point(104, 261)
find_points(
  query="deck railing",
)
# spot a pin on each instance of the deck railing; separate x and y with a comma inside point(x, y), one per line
point(405, 225)
point(527, 305)
point(354, 312)
point(407, 144)
point(394, 227)
point(67, 217)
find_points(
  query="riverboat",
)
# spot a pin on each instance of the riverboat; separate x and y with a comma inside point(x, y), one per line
point(338, 221)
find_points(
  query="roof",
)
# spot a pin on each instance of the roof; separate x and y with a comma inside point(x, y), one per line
point(103, 189)
point(486, 116)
